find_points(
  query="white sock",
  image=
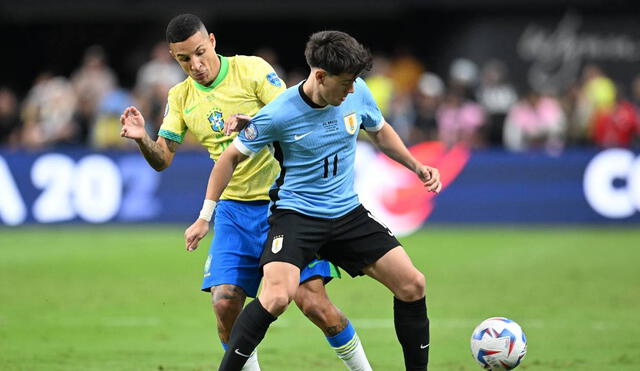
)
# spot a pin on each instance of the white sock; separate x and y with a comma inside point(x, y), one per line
point(355, 359)
point(252, 362)
point(347, 346)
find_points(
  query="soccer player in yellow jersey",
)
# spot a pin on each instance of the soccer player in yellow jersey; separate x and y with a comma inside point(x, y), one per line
point(218, 87)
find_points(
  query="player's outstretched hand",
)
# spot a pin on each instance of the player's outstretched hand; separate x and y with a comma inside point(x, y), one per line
point(132, 124)
point(430, 177)
point(236, 122)
point(195, 233)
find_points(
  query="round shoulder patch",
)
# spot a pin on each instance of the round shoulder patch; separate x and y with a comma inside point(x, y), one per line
point(251, 131)
point(273, 78)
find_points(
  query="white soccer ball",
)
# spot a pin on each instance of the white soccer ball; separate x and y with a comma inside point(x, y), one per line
point(498, 343)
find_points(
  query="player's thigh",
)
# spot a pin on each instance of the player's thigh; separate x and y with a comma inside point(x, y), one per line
point(279, 285)
point(293, 238)
point(359, 240)
point(396, 271)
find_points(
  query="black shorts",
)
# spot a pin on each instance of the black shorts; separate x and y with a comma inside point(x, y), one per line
point(351, 242)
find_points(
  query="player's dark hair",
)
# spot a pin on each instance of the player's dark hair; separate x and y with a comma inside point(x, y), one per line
point(182, 27)
point(337, 52)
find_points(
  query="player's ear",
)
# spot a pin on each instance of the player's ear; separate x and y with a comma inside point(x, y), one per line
point(320, 75)
point(213, 40)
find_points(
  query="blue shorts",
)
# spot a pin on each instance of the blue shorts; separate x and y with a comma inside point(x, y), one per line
point(240, 230)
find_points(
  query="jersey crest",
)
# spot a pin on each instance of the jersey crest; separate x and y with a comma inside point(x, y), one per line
point(216, 121)
point(351, 123)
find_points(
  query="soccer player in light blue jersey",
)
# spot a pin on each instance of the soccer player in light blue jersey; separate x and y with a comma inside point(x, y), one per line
point(315, 211)
point(216, 88)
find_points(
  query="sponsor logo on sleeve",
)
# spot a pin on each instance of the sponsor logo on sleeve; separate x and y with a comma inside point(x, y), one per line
point(251, 131)
point(274, 80)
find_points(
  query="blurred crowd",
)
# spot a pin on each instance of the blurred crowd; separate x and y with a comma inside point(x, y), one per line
point(475, 105)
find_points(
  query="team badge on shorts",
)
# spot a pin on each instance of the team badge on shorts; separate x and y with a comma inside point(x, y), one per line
point(276, 244)
point(351, 123)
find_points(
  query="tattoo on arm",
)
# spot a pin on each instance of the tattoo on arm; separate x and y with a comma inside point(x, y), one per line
point(172, 145)
point(154, 153)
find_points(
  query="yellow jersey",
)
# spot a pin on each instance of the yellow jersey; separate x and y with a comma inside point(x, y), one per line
point(244, 85)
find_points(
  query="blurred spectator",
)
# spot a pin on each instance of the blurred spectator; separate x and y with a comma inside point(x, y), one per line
point(617, 127)
point(463, 74)
point(597, 93)
point(154, 79)
point(380, 83)
point(635, 92)
point(496, 95)
point(9, 119)
point(598, 89)
point(427, 100)
point(576, 113)
point(460, 120)
point(535, 122)
point(402, 115)
point(405, 71)
point(105, 132)
point(161, 69)
point(91, 81)
point(48, 112)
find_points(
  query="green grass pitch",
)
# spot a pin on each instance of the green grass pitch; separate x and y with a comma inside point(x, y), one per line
point(127, 298)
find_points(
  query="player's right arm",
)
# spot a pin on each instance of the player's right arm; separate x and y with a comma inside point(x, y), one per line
point(218, 180)
point(258, 133)
point(159, 154)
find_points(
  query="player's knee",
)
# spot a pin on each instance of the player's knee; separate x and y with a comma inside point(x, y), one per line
point(276, 302)
point(222, 307)
point(227, 302)
point(412, 288)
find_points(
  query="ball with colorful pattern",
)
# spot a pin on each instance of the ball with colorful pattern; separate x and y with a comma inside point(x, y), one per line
point(498, 343)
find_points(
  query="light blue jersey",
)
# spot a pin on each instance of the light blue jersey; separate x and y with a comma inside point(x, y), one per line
point(315, 148)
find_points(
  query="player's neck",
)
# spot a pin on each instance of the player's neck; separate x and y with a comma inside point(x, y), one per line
point(215, 71)
point(309, 88)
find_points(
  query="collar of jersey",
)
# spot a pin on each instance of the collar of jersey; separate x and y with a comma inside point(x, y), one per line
point(224, 68)
point(307, 99)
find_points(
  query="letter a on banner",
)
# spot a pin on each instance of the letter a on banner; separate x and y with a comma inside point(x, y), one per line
point(12, 208)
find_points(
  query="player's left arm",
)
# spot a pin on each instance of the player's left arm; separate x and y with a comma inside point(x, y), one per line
point(389, 142)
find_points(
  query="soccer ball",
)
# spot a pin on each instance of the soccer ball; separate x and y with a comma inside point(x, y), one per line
point(498, 343)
